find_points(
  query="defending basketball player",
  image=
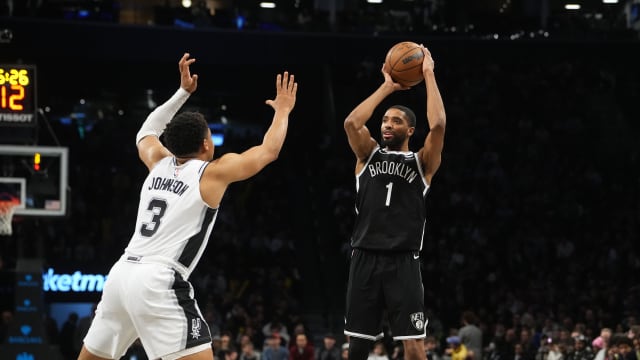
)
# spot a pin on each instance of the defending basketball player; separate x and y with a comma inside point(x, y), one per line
point(147, 294)
point(391, 184)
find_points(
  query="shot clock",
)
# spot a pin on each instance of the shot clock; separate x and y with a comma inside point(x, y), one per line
point(17, 95)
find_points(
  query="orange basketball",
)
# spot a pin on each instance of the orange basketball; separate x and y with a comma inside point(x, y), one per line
point(404, 63)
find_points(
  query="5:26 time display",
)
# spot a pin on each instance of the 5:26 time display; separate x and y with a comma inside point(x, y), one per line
point(17, 95)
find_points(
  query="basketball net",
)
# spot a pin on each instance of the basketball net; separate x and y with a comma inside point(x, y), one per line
point(6, 216)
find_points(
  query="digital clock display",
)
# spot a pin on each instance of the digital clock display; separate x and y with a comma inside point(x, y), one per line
point(18, 95)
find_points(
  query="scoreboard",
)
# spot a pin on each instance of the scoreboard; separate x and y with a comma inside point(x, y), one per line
point(18, 95)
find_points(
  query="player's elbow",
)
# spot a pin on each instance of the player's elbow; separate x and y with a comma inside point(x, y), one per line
point(270, 155)
point(273, 156)
point(439, 121)
point(439, 126)
point(350, 123)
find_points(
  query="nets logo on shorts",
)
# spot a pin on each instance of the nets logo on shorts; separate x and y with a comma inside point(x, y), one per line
point(195, 328)
point(417, 320)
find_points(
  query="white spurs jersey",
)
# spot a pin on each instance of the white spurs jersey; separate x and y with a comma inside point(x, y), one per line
point(173, 222)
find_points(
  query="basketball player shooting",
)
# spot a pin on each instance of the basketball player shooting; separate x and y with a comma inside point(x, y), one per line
point(391, 186)
point(147, 294)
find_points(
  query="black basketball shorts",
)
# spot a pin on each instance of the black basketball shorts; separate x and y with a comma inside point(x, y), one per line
point(382, 282)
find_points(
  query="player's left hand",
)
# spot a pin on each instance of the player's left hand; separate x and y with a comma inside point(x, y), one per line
point(187, 81)
point(286, 89)
point(427, 63)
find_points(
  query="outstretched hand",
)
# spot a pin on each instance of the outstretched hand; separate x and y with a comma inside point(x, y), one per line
point(427, 63)
point(286, 89)
point(187, 81)
point(388, 80)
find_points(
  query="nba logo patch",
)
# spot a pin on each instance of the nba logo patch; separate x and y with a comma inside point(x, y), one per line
point(176, 172)
point(417, 320)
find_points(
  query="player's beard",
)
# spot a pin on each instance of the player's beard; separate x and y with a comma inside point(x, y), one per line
point(395, 143)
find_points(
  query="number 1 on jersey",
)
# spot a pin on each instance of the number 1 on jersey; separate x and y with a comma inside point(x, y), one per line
point(389, 188)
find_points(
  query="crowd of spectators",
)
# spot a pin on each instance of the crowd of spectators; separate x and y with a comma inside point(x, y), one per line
point(533, 217)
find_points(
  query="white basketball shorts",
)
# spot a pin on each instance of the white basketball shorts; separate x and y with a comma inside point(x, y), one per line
point(151, 301)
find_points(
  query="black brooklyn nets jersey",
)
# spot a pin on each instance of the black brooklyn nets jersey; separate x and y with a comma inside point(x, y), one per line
point(390, 202)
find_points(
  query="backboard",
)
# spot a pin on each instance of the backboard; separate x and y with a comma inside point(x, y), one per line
point(37, 176)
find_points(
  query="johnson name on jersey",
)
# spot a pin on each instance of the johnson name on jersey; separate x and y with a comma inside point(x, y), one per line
point(173, 221)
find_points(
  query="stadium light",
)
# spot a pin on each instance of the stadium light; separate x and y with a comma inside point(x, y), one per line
point(267, 5)
point(572, 6)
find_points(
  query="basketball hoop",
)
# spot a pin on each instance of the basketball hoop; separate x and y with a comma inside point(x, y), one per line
point(7, 207)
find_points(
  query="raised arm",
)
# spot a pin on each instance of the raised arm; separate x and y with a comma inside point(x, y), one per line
point(236, 167)
point(358, 134)
point(431, 153)
point(150, 149)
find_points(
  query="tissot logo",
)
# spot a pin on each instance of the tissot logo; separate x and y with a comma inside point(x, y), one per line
point(76, 282)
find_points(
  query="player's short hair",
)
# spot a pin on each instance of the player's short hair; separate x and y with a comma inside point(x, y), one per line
point(185, 132)
point(411, 116)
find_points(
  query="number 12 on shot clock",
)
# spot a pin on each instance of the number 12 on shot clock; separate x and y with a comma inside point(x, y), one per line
point(17, 95)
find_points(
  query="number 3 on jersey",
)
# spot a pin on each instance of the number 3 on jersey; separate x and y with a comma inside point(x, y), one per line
point(389, 188)
point(157, 207)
